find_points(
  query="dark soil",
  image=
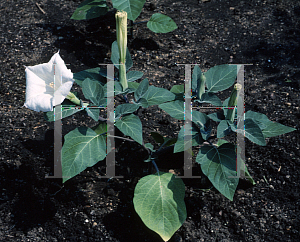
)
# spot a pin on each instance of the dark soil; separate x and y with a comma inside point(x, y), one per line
point(89, 208)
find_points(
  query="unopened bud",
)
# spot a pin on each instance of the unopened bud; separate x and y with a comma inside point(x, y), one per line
point(233, 102)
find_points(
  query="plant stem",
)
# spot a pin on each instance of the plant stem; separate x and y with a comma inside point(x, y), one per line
point(153, 162)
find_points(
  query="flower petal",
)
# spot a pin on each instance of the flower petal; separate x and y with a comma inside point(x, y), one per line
point(47, 84)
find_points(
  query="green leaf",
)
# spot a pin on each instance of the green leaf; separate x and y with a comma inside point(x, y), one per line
point(142, 89)
point(159, 201)
point(275, 129)
point(125, 108)
point(260, 119)
point(132, 7)
point(223, 129)
point(221, 141)
point(93, 74)
point(143, 102)
point(93, 91)
point(82, 148)
point(177, 89)
point(115, 56)
point(157, 137)
point(133, 85)
point(200, 119)
point(209, 97)
point(219, 164)
point(203, 123)
point(225, 105)
point(118, 89)
point(90, 9)
point(196, 78)
point(182, 144)
point(63, 113)
point(251, 131)
point(175, 109)
point(131, 126)
point(134, 75)
point(247, 174)
point(157, 95)
point(218, 116)
point(220, 77)
point(100, 128)
point(160, 23)
point(93, 113)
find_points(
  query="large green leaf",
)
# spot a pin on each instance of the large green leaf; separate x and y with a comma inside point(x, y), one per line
point(93, 91)
point(93, 74)
point(160, 23)
point(90, 9)
point(252, 131)
point(82, 148)
point(260, 119)
point(175, 109)
point(132, 7)
point(115, 56)
point(131, 126)
point(220, 77)
point(159, 201)
point(219, 165)
point(157, 95)
point(275, 129)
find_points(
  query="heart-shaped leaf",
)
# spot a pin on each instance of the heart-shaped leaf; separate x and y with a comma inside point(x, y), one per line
point(160, 23)
point(131, 126)
point(219, 165)
point(219, 78)
point(82, 148)
point(175, 109)
point(159, 201)
point(157, 95)
point(90, 9)
point(132, 7)
point(93, 91)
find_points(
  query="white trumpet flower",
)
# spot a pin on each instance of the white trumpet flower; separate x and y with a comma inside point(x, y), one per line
point(47, 84)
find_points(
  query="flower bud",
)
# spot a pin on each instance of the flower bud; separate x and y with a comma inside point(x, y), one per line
point(233, 101)
point(71, 96)
point(121, 29)
point(201, 86)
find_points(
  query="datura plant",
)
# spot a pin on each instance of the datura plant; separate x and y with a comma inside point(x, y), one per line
point(159, 197)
